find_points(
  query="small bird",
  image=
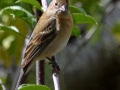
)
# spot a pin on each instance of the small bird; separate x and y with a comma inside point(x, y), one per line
point(49, 36)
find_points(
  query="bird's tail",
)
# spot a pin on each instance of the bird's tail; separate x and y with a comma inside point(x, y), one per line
point(21, 75)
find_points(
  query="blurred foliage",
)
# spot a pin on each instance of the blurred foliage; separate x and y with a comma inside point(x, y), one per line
point(17, 19)
point(116, 31)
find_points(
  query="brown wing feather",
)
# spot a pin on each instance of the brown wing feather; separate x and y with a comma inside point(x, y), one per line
point(38, 43)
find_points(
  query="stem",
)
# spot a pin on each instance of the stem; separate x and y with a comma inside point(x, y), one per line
point(82, 43)
point(40, 65)
point(3, 87)
point(55, 72)
point(44, 4)
point(40, 72)
point(56, 81)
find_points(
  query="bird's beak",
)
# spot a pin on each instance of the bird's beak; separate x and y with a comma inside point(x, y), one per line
point(63, 7)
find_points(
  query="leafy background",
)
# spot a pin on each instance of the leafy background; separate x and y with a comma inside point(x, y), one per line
point(91, 60)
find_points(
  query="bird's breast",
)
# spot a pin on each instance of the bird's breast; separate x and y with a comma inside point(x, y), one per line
point(58, 43)
point(64, 28)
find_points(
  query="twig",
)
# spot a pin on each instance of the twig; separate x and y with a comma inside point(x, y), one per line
point(88, 36)
point(44, 4)
point(55, 76)
point(56, 81)
point(55, 72)
point(83, 42)
point(108, 9)
point(3, 87)
point(40, 72)
point(40, 64)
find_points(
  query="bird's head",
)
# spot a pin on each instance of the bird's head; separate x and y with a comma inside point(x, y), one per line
point(58, 7)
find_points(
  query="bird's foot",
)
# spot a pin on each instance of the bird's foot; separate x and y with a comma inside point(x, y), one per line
point(55, 67)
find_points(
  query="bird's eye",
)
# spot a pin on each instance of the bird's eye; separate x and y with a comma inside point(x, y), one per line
point(56, 4)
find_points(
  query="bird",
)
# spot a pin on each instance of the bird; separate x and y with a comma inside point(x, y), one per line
point(49, 37)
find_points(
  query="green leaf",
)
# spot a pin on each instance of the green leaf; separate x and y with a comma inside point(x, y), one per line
point(75, 31)
point(80, 18)
point(74, 9)
point(32, 2)
point(33, 87)
point(10, 29)
point(17, 11)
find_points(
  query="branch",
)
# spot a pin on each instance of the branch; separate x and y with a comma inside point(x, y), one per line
point(56, 81)
point(55, 72)
point(40, 64)
point(3, 87)
point(90, 33)
point(83, 43)
point(44, 4)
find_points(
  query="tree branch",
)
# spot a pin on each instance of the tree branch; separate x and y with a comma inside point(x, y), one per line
point(55, 73)
point(40, 64)
point(3, 87)
point(44, 4)
point(83, 43)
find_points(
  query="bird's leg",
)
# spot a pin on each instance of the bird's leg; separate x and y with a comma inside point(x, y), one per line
point(55, 67)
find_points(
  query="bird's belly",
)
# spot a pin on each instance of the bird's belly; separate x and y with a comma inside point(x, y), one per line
point(53, 48)
point(57, 47)
point(58, 43)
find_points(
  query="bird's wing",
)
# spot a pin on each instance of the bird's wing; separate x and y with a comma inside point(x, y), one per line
point(39, 42)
